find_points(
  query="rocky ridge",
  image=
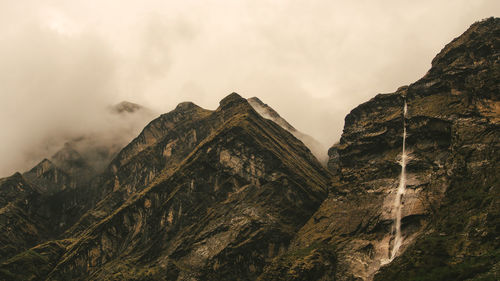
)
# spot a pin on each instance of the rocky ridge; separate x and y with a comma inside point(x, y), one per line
point(213, 187)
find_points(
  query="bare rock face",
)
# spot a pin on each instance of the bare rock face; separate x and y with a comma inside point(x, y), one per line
point(452, 125)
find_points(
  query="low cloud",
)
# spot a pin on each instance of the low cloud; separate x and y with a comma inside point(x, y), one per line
point(63, 62)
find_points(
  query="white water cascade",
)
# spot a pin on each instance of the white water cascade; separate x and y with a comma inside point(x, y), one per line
point(398, 238)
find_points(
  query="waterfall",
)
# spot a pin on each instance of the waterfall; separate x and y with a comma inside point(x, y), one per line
point(398, 239)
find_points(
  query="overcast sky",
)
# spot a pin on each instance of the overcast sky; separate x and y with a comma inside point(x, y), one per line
point(63, 62)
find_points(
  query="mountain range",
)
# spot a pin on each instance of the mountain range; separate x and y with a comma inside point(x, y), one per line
point(410, 192)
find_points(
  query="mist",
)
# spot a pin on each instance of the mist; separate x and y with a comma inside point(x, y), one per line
point(63, 63)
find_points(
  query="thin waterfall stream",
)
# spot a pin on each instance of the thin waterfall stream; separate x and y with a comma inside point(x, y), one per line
point(398, 238)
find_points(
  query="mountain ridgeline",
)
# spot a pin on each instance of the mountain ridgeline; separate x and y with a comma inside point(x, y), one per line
point(410, 192)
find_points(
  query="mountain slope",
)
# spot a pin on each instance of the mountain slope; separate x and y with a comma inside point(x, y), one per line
point(224, 200)
point(225, 183)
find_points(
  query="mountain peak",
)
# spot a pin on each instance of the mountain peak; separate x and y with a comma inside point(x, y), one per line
point(126, 107)
point(45, 164)
point(16, 176)
point(476, 46)
point(70, 160)
point(185, 106)
point(232, 99)
point(234, 104)
point(269, 113)
point(256, 100)
point(67, 153)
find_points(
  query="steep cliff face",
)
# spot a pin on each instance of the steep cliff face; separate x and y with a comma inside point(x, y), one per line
point(452, 125)
point(462, 88)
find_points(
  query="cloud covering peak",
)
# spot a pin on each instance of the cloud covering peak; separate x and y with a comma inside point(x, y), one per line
point(62, 63)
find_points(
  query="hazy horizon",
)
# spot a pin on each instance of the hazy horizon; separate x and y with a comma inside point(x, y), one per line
point(63, 62)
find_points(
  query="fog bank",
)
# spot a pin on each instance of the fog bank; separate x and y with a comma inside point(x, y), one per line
point(62, 63)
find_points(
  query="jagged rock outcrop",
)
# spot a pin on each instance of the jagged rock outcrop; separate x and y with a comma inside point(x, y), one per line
point(451, 204)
